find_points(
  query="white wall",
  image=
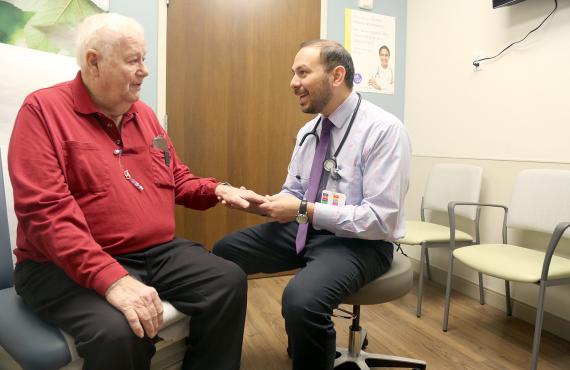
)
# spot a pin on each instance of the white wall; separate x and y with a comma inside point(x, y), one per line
point(22, 71)
point(511, 115)
point(514, 108)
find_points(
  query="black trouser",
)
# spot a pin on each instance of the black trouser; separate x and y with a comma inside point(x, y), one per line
point(332, 268)
point(211, 290)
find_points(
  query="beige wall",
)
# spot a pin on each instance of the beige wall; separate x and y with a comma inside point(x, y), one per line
point(511, 115)
point(515, 107)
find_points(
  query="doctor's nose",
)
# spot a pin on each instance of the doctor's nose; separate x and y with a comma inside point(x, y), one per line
point(294, 84)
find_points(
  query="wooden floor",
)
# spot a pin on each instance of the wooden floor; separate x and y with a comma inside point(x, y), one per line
point(479, 337)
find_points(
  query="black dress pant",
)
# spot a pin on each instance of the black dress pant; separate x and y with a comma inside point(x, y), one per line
point(332, 268)
point(213, 291)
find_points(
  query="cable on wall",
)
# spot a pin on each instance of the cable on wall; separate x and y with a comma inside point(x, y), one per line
point(476, 62)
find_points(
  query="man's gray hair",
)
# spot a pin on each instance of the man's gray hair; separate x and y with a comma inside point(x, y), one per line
point(102, 32)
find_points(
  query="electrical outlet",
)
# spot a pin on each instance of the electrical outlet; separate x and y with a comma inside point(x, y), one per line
point(475, 64)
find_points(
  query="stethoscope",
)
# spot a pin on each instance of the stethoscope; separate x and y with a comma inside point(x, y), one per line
point(330, 164)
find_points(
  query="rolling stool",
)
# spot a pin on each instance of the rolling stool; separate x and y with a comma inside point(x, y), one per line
point(392, 285)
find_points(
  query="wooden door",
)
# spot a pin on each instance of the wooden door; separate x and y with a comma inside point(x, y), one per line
point(231, 112)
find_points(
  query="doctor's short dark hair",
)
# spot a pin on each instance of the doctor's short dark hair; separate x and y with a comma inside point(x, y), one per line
point(333, 55)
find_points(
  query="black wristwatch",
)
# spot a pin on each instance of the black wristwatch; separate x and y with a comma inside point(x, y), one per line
point(302, 217)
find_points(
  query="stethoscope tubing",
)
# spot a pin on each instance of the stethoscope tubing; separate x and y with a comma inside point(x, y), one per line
point(331, 165)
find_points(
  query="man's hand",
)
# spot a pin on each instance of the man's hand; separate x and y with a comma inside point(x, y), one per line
point(139, 303)
point(240, 198)
point(282, 207)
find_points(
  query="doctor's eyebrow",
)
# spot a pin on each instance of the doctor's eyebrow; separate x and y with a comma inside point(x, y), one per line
point(300, 67)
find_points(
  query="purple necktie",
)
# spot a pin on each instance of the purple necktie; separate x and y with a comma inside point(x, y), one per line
point(315, 178)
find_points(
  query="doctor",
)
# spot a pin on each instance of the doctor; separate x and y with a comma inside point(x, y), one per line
point(336, 223)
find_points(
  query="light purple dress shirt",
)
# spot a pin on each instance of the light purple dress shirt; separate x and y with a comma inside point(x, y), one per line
point(374, 166)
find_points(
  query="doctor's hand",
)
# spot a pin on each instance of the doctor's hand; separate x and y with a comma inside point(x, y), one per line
point(282, 207)
point(139, 303)
point(240, 198)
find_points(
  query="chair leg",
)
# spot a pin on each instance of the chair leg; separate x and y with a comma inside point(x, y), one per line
point(481, 290)
point(421, 280)
point(508, 298)
point(538, 325)
point(428, 267)
point(448, 290)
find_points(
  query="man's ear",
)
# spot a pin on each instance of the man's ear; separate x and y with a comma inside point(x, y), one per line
point(92, 58)
point(338, 74)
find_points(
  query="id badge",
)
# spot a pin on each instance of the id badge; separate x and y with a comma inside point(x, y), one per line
point(333, 199)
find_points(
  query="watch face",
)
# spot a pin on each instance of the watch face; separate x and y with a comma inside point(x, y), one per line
point(302, 218)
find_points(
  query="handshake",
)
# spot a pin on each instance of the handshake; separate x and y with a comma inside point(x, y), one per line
point(281, 207)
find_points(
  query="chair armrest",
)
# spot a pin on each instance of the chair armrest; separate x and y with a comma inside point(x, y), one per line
point(451, 212)
point(554, 239)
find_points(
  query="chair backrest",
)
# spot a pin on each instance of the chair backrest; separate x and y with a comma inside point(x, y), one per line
point(540, 200)
point(6, 273)
point(453, 182)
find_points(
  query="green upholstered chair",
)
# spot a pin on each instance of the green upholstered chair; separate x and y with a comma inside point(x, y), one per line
point(446, 183)
point(541, 203)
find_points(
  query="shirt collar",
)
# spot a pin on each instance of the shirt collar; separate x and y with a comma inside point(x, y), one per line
point(342, 113)
point(82, 102)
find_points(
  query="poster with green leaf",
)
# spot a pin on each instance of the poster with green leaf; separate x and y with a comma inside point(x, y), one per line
point(46, 25)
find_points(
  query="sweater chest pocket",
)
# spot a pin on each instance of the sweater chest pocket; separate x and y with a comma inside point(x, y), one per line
point(86, 170)
point(162, 168)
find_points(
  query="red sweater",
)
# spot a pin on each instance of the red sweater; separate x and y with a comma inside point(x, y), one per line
point(75, 207)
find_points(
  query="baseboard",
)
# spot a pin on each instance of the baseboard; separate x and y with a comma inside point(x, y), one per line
point(552, 323)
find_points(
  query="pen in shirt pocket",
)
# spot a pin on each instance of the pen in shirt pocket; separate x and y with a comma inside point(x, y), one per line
point(159, 142)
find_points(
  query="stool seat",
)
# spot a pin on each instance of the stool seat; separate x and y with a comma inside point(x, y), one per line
point(394, 284)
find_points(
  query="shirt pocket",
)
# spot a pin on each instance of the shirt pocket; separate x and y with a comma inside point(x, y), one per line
point(87, 172)
point(350, 183)
point(162, 173)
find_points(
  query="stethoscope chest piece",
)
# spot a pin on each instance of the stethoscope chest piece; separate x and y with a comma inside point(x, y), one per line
point(329, 165)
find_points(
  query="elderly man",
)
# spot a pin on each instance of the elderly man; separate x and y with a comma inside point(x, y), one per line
point(340, 208)
point(95, 180)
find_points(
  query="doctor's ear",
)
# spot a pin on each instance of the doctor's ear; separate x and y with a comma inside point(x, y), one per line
point(338, 74)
